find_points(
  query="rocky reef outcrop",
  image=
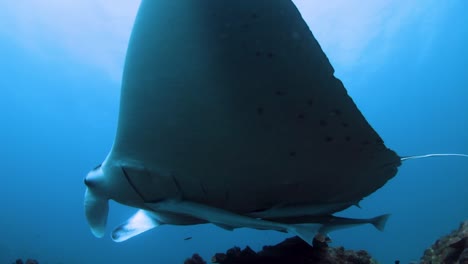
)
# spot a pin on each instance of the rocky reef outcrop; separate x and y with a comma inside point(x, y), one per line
point(292, 251)
point(28, 261)
point(450, 249)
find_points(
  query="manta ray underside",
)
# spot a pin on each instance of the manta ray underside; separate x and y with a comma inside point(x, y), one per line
point(230, 114)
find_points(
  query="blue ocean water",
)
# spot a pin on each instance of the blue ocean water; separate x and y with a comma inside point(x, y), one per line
point(405, 65)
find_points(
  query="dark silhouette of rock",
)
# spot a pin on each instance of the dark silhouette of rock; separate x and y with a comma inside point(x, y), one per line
point(452, 248)
point(28, 261)
point(195, 259)
point(463, 257)
point(291, 251)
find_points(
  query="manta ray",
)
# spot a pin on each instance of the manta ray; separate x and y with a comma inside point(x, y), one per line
point(230, 114)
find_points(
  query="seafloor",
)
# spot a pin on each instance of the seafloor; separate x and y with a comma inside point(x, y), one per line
point(449, 249)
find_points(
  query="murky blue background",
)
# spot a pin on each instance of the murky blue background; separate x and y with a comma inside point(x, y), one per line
point(404, 64)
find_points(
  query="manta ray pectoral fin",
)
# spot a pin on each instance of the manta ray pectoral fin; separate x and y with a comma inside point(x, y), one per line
point(96, 211)
point(140, 222)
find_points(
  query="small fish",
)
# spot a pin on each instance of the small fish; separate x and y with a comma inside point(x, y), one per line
point(187, 238)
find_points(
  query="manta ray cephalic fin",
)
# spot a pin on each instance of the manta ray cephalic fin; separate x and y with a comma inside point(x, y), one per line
point(140, 222)
point(96, 211)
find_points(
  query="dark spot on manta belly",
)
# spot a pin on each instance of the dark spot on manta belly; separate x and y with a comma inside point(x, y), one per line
point(245, 26)
point(279, 93)
point(335, 112)
point(259, 110)
point(365, 142)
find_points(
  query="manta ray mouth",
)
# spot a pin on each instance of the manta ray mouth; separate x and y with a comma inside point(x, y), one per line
point(89, 183)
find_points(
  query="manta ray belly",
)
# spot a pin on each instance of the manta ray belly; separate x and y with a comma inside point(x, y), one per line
point(236, 104)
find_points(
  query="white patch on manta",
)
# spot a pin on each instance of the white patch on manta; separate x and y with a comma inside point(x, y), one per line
point(140, 222)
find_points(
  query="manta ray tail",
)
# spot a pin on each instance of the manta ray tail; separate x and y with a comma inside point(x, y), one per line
point(380, 221)
point(96, 210)
point(434, 155)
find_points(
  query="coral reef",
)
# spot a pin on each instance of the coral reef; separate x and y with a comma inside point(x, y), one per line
point(195, 259)
point(452, 248)
point(292, 251)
